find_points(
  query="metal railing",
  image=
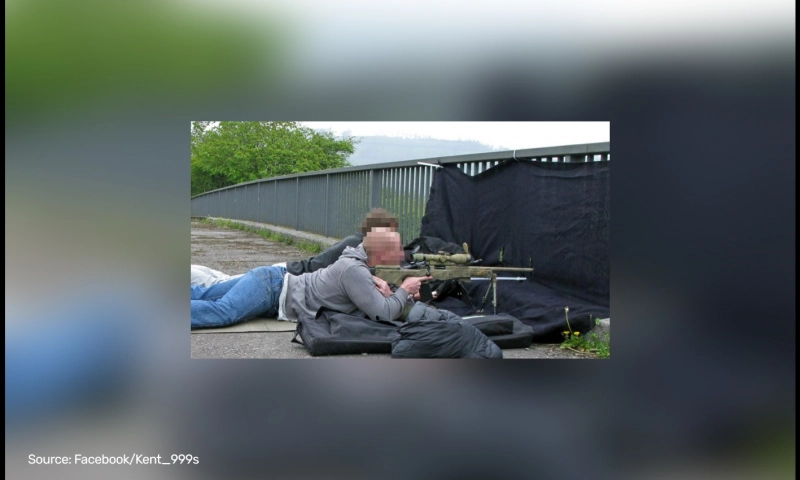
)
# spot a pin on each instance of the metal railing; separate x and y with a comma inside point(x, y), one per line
point(333, 202)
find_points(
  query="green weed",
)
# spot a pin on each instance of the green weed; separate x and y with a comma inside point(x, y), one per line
point(600, 347)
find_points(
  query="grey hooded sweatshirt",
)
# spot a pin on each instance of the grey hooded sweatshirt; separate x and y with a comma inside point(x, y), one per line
point(346, 286)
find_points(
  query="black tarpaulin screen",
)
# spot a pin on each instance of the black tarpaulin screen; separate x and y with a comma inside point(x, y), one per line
point(553, 217)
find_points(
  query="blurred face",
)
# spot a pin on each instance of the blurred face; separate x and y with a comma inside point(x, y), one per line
point(384, 247)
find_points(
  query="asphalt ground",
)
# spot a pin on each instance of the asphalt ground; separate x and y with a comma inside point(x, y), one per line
point(233, 252)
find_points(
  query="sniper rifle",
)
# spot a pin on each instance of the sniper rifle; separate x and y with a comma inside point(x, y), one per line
point(444, 266)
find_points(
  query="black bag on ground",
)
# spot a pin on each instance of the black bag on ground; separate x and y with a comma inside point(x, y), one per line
point(336, 333)
point(503, 329)
point(432, 333)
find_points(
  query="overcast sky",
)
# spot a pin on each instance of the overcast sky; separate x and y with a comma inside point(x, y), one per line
point(506, 135)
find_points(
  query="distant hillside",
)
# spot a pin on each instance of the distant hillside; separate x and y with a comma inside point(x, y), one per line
point(371, 150)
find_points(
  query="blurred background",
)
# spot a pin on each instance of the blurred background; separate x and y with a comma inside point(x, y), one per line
point(701, 100)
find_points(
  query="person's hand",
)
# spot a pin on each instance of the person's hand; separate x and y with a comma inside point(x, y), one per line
point(412, 284)
point(382, 286)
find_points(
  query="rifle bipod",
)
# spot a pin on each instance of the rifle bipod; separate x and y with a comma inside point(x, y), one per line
point(493, 288)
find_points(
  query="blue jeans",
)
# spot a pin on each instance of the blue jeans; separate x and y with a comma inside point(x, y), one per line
point(233, 301)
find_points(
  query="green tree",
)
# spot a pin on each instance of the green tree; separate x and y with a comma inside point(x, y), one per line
point(227, 153)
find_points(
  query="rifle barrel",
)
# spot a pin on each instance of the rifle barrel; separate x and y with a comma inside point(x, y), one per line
point(519, 279)
point(508, 269)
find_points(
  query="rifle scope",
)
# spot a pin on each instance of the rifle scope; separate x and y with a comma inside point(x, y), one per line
point(459, 258)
